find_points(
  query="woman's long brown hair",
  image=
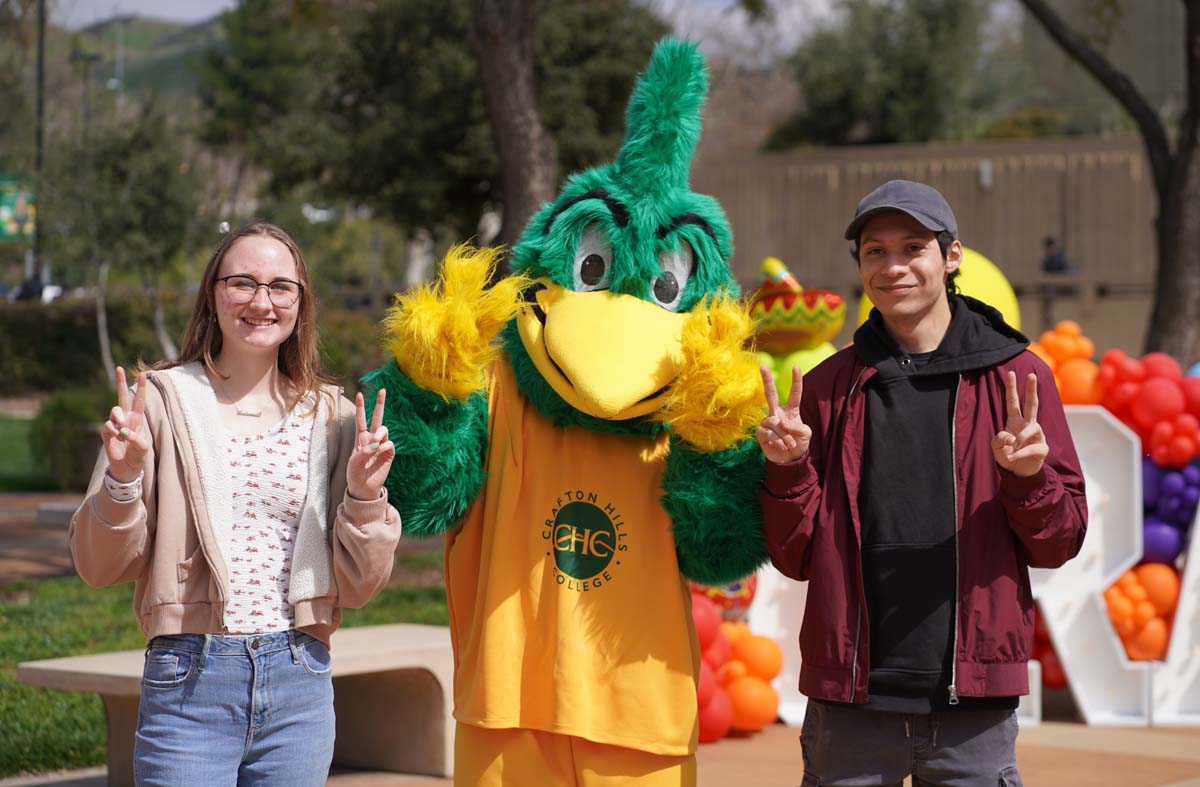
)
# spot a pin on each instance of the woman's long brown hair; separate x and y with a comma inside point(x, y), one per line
point(299, 357)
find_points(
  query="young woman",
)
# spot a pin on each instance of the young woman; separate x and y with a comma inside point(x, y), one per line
point(244, 495)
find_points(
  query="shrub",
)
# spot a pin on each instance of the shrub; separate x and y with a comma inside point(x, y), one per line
point(65, 435)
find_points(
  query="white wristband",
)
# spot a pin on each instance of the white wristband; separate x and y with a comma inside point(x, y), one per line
point(123, 492)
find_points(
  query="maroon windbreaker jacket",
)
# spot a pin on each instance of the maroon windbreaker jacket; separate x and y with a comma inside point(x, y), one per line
point(1006, 524)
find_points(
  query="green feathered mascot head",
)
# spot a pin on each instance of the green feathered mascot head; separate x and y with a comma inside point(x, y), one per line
point(620, 262)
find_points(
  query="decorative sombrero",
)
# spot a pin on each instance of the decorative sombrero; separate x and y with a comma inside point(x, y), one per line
point(790, 317)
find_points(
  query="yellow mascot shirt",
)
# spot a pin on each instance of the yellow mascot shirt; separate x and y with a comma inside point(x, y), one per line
point(567, 608)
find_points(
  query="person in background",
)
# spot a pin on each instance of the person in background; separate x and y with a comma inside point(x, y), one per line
point(914, 485)
point(243, 495)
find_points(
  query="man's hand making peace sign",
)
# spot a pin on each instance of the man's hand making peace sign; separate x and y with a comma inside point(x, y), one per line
point(782, 435)
point(1021, 447)
point(126, 436)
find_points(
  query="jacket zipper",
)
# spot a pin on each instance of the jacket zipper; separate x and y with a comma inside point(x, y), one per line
point(858, 610)
point(957, 567)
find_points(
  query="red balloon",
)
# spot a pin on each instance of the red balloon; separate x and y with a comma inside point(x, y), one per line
point(705, 685)
point(1161, 454)
point(1191, 394)
point(1161, 365)
point(1053, 676)
point(716, 717)
point(1041, 634)
point(707, 618)
point(1181, 450)
point(1118, 398)
point(1158, 400)
point(717, 653)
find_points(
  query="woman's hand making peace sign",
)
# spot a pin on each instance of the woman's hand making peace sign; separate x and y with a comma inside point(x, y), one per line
point(782, 435)
point(373, 452)
point(126, 436)
point(1021, 447)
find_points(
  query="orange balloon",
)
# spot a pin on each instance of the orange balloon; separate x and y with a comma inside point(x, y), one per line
point(1150, 643)
point(1143, 613)
point(1128, 579)
point(731, 671)
point(755, 703)
point(1077, 381)
point(735, 630)
point(1120, 608)
point(1161, 583)
point(762, 656)
point(1068, 328)
point(1136, 593)
point(1058, 346)
point(1040, 352)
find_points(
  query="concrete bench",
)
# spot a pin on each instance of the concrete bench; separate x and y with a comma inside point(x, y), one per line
point(392, 688)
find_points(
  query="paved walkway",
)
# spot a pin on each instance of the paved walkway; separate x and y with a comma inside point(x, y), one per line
point(29, 550)
point(1054, 754)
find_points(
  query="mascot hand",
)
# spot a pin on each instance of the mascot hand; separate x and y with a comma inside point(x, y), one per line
point(716, 400)
point(441, 335)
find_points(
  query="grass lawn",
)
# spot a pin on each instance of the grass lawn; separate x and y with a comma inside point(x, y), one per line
point(45, 730)
point(18, 470)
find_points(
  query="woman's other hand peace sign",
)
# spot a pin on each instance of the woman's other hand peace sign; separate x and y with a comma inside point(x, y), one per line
point(1021, 447)
point(125, 435)
point(373, 452)
point(782, 435)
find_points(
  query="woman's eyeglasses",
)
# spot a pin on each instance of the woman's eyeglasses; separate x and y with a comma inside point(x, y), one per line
point(240, 288)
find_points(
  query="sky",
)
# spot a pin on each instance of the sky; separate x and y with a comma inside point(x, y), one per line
point(718, 25)
point(75, 14)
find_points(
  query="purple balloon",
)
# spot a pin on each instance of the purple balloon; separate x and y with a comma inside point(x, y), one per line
point(1191, 474)
point(1191, 497)
point(1172, 484)
point(1168, 507)
point(1152, 476)
point(1161, 543)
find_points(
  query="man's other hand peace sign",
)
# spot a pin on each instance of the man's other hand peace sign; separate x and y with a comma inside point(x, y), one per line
point(782, 435)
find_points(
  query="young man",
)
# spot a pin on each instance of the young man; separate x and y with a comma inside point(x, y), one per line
point(910, 482)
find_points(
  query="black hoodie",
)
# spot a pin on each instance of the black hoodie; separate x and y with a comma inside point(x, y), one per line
point(909, 546)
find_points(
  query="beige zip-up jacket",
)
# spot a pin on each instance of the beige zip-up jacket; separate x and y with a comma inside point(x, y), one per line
point(173, 541)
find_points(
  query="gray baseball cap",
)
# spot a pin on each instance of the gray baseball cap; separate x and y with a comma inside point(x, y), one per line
point(922, 202)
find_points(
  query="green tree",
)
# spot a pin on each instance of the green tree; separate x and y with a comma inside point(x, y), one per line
point(123, 198)
point(15, 115)
point(253, 86)
point(1174, 163)
point(392, 114)
point(885, 71)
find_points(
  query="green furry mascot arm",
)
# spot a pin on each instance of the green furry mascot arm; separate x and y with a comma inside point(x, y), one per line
point(436, 410)
point(714, 469)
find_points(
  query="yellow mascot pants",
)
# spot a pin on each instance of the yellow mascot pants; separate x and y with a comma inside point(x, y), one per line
point(532, 758)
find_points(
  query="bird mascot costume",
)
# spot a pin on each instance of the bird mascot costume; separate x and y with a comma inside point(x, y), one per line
point(582, 433)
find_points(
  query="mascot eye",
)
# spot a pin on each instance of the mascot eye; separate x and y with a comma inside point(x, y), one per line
point(668, 287)
point(593, 260)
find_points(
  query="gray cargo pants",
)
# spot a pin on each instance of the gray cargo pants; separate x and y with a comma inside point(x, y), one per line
point(846, 746)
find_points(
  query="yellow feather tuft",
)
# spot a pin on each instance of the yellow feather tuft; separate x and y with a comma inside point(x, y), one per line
point(717, 399)
point(442, 335)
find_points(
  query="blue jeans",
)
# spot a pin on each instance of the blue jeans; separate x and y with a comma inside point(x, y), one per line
point(236, 710)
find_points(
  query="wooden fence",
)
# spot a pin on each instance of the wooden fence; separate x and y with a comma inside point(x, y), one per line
point(1093, 194)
